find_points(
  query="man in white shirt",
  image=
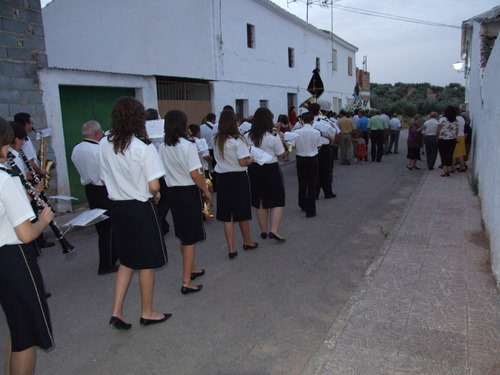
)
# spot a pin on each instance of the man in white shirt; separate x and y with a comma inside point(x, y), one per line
point(394, 129)
point(325, 153)
point(207, 132)
point(429, 129)
point(306, 148)
point(24, 119)
point(85, 157)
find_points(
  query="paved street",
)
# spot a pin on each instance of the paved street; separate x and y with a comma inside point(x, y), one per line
point(269, 310)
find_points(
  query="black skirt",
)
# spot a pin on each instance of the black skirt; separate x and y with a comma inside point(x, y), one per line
point(186, 206)
point(233, 197)
point(266, 185)
point(137, 234)
point(413, 153)
point(22, 296)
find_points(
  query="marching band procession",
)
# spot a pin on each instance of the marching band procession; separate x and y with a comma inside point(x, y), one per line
point(122, 172)
point(137, 179)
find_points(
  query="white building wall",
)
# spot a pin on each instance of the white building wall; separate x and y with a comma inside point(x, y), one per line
point(169, 38)
point(51, 79)
point(485, 116)
point(267, 63)
point(151, 37)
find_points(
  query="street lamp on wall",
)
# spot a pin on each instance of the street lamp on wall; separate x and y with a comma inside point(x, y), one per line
point(459, 67)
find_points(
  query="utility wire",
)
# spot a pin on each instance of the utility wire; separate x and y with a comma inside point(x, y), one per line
point(390, 16)
point(333, 3)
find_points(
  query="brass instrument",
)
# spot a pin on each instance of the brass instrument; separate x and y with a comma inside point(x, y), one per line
point(48, 165)
point(288, 147)
point(207, 207)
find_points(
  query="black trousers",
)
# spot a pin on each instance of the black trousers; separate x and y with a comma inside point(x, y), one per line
point(377, 139)
point(431, 150)
point(307, 174)
point(108, 254)
point(325, 171)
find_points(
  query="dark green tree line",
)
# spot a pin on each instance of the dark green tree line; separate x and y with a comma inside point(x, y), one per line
point(409, 99)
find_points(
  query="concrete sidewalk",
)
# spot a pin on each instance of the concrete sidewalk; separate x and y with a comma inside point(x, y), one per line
point(428, 304)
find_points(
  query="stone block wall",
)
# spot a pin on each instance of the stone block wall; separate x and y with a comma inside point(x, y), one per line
point(22, 54)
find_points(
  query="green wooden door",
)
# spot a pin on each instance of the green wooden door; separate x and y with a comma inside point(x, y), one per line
point(78, 105)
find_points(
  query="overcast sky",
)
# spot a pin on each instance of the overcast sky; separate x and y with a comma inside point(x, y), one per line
point(398, 51)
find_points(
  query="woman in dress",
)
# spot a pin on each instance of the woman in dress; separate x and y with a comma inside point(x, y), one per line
point(414, 142)
point(130, 168)
point(233, 187)
point(266, 181)
point(446, 133)
point(185, 180)
point(22, 293)
point(283, 125)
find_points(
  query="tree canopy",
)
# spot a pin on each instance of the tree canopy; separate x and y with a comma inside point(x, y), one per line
point(409, 99)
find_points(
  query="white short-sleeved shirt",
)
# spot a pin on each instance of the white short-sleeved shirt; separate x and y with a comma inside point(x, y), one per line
point(14, 208)
point(245, 127)
point(271, 143)
point(126, 175)
point(430, 127)
point(394, 123)
point(234, 149)
point(461, 126)
point(18, 159)
point(325, 128)
point(85, 157)
point(178, 161)
point(207, 133)
point(308, 141)
point(29, 150)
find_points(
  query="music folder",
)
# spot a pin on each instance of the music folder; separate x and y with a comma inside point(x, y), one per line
point(87, 218)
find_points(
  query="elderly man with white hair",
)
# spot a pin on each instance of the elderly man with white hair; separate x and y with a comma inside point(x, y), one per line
point(85, 157)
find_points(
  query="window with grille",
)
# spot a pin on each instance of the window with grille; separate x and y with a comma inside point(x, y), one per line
point(250, 36)
point(170, 90)
point(291, 57)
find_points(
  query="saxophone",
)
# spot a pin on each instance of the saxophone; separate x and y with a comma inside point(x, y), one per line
point(207, 208)
point(48, 165)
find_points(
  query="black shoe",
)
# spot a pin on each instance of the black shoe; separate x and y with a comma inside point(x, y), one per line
point(147, 322)
point(275, 237)
point(390, 152)
point(263, 235)
point(250, 247)
point(194, 275)
point(109, 270)
point(233, 254)
point(47, 295)
point(310, 215)
point(185, 290)
point(330, 196)
point(46, 244)
point(119, 324)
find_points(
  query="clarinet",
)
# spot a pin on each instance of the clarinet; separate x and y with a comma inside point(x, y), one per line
point(40, 199)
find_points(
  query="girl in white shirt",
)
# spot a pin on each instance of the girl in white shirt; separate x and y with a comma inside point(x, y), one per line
point(233, 187)
point(130, 168)
point(266, 181)
point(22, 293)
point(184, 179)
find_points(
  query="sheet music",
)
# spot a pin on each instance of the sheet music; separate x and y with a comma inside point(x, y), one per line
point(47, 132)
point(154, 129)
point(201, 144)
point(87, 218)
point(259, 156)
point(63, 197)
